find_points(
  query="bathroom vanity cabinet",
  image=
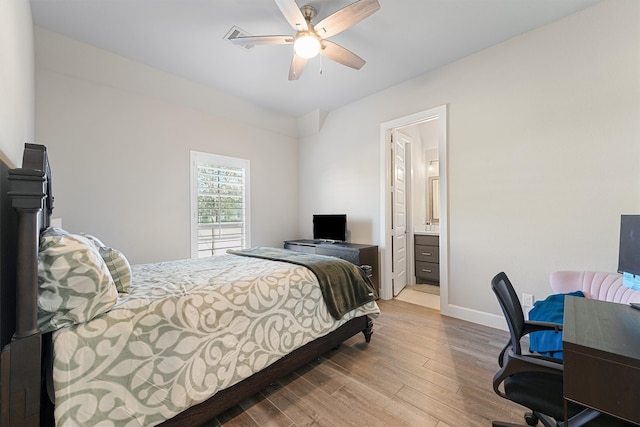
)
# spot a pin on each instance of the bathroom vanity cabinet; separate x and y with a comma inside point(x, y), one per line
point(427, 256)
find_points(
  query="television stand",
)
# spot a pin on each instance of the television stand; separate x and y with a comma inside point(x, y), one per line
point(355, 253)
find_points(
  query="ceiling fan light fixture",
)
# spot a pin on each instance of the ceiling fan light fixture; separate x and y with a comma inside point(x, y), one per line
point(306, 45)
point(311, 39)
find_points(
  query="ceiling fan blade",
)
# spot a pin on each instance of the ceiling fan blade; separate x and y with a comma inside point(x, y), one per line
point(339, 54)
point(292, 14)
point(297, 67)
point(254, 40)
point(346, 17)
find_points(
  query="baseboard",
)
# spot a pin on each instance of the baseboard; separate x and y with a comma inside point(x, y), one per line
point(475, 316)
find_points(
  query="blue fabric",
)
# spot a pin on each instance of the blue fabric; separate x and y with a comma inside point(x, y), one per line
point(631, 280)
point(549, 343)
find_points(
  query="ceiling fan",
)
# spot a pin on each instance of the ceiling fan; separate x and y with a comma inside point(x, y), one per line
point(311, 39)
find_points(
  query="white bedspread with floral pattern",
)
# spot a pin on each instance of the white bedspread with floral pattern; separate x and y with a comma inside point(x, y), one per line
point(186, 330)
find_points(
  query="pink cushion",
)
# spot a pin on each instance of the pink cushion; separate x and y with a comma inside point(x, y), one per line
point(597, 285)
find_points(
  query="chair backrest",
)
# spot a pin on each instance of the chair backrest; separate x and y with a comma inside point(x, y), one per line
point(594, 284)
point(510, 304)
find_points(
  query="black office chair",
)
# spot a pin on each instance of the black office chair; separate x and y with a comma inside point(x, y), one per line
point(532, 380)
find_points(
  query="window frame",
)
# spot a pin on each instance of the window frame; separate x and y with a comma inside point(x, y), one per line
point(197, 157)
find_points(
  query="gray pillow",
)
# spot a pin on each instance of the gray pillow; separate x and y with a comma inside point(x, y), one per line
point(119, 267)
point(118, 264)
point(74, 281)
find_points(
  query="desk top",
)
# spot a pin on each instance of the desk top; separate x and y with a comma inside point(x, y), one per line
point(601, 347)
point(608, 328)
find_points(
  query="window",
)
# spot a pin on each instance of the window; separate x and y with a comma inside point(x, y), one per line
point(219, 204)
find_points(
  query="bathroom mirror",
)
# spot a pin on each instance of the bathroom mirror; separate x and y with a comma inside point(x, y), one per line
point(434, 199)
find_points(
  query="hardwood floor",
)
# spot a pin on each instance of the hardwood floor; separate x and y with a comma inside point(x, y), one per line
point(420, 369)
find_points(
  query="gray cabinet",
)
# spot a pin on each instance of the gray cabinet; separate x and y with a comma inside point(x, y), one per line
point(427, 256)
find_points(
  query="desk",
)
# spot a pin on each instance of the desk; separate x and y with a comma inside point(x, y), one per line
point(601, 345)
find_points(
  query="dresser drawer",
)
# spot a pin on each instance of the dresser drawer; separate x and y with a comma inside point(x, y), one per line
point(428, 270)
point(352, 256)
point(427, 253)
point(421, 239)
point(300, 248)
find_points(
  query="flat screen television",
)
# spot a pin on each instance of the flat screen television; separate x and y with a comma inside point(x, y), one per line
point(332, 228)
point(629, 253)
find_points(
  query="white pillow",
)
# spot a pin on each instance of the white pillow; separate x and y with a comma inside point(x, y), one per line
point(93, 239)
point(74, 281)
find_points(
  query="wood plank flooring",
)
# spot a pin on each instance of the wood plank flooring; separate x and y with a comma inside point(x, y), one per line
point(420, 369)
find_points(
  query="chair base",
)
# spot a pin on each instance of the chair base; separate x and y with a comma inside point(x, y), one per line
point(532, 418)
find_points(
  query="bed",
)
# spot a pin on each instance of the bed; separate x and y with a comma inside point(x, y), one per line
point(184, 342)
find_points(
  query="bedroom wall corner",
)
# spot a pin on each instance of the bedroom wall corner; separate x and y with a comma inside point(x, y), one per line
point(17, 110)
point(120, 153)
point(543, 153)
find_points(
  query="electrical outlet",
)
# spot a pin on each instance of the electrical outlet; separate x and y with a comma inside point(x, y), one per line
point(527, 300)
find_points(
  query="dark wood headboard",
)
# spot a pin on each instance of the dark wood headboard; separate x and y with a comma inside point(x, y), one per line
point(26, 205)
point(8, 244)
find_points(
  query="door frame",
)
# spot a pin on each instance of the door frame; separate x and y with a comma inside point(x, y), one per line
point(440, 113)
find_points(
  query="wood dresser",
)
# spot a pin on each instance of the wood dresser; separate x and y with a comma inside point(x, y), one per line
point(355, 253)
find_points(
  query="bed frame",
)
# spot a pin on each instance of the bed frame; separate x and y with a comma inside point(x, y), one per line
point(26, 203)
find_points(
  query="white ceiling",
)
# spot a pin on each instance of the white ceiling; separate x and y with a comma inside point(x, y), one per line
point(404, 39)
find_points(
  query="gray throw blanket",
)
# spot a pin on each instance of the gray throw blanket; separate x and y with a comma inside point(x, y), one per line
point(344, 286)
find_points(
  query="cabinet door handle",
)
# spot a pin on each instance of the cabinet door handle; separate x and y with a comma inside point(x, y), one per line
point(426, 253)
point(426, 271)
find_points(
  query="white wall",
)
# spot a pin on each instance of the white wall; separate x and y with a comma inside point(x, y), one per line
point(543, 151)
point(119, 151)
point(417, 209)
point(16, 79)
point(339, 172)
point(423, 151)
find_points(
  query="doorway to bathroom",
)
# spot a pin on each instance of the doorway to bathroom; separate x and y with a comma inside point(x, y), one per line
point(414, 213)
